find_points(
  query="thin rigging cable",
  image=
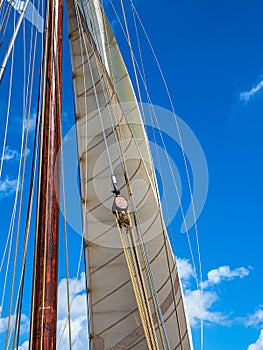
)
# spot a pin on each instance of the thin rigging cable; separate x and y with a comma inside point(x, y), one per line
point(190, 190)
point(20, 204)
point(185, 163)
point(152, 112)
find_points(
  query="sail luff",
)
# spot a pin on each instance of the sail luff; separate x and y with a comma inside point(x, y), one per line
point(45, 281)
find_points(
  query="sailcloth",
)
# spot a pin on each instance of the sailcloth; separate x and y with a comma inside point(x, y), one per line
point(112, 140)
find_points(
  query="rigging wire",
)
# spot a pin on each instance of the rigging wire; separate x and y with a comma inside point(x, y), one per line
point(13, 39)
point(43, 70)
point(199, 286)
point(153, 112)
point(70, 302)
point(11, 225)
point(65, 227)
point(40, 128)
point(29, 210)
point(5, 20)
point(150, 280)
point(66, 248)
point(1, 167)
point(26, 135)
point(7, 113)
point(25, 127)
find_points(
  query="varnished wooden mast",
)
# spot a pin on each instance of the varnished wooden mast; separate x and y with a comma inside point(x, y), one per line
point(44, 301)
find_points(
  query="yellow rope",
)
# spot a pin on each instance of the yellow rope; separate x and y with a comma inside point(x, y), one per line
point(144, 285)
point(118, 129)
point(134, 284)
point(143, 253)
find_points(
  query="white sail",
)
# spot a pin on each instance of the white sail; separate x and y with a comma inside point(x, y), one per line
point(110, 133)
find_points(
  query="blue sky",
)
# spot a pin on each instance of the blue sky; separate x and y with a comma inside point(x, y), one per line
point(211, 53)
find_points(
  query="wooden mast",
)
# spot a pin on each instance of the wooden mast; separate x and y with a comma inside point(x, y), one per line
point(44, 300)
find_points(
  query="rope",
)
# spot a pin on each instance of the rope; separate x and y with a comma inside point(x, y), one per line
point(19, 217)
point(49, 15)
point(4, 144)
point(199, 286)
point(30, 204)
point(166, 153)
point(7, 113)
point(41, 127)
point(154, 296)
point(70, 302)
point(135, 285)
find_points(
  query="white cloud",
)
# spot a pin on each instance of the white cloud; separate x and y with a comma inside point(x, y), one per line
point(224, 273)
point(24, 346)
point(199, 307)
point(31, 122)
point(78, 313)
point(185, 270)
point(202, 305)
point(255, 319)
point(10, 154)
point(23, 328)
point(258, 345)
point(246, 95)
point(7, 187)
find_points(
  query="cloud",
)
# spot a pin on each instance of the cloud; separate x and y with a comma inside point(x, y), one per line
point(224, 273)
point(24, 346)
point(202, 305)
point(256, 319)
point(258, 345)
point(31, 122)
point(7, 187)
point(185, 270)
point(200, 308)
point(78, 315)
point(10, 154)
point(247, 95)
point(24, 328)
